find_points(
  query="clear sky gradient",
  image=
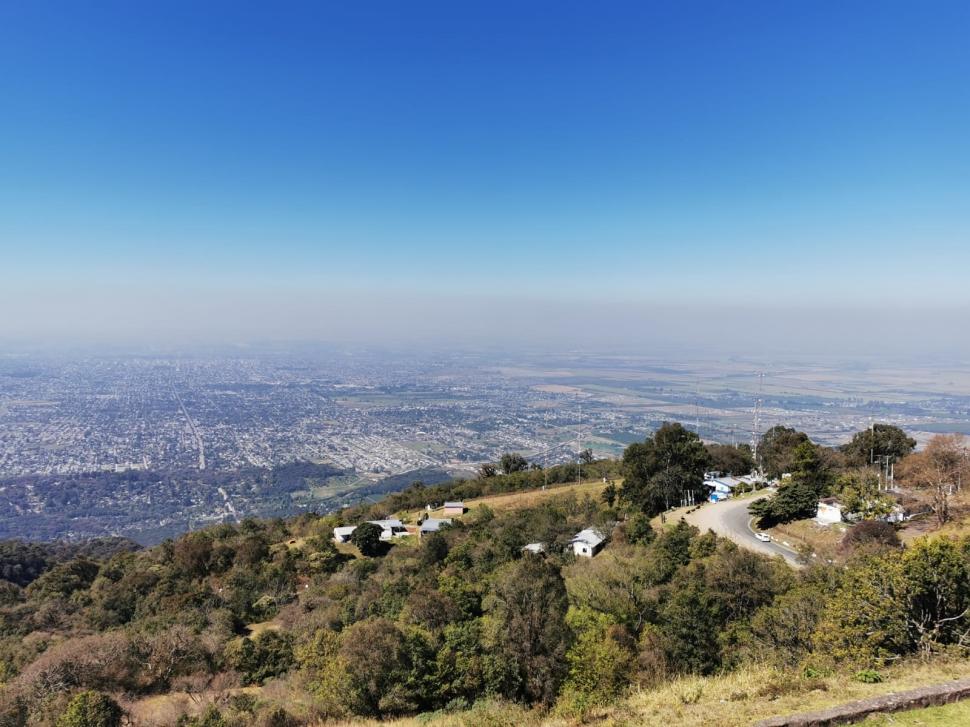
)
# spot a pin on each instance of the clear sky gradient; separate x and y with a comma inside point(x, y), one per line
point(329, 170)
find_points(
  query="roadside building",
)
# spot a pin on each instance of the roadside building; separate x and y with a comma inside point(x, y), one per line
point(829, 511)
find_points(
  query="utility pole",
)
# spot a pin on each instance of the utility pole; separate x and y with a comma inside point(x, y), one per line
point(697, 409)
point(579, 447)
point(872, 442)
point(756, 431)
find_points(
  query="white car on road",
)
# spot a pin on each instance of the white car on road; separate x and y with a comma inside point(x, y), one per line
point(763, 537)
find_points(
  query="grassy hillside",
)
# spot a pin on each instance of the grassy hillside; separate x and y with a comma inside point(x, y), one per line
point(731, 700)
point(268, 623)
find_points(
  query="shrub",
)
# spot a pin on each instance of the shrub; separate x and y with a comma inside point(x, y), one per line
point(91, 709)
point(873, 532)
point(268, 655)
point(367, 538)
point(868, 676)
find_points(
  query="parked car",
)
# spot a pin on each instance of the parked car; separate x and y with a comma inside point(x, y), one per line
point(763, 537)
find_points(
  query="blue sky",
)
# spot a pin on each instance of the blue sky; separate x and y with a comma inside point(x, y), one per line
point(275, 161)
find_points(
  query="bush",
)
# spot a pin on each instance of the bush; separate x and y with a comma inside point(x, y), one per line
point(269, 655)
point(871, 532)
point(868, 676)
point(367, 538)
point(91, 709)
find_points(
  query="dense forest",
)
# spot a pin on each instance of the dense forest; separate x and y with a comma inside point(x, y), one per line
point(270, 623)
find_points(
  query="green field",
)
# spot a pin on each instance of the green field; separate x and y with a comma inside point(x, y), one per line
point(957, 713)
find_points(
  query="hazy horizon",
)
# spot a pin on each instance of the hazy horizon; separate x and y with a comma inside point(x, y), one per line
point(633, 177)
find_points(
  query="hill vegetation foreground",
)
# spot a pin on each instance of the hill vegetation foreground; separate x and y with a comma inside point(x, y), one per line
point(272, 623)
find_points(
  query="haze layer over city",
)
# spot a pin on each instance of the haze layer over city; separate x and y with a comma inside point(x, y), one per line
point(150, 444)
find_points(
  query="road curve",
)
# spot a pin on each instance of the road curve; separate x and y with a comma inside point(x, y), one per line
point(730, 519)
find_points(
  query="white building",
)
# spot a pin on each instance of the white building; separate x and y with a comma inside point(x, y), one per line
point(343, 533)
point(588, 542)
point(389, 529)
point(829, 511)
point(433, 525)
point(535, 548)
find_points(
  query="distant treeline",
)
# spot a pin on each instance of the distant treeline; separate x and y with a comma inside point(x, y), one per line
point(22, 562)
point(98, 503)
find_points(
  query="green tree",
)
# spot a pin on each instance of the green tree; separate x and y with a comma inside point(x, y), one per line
point(326, 671)
point(858, 491)
point(91, 709)
point(527, 610)
point(690, 624)
point(600, 660)
point(937, 593)
point(783, 630)
point(460, 665)
point(389, 669)
point(730, 460)
point(268, 655)
point(865, 622)
point(639, 530)
point(798, 497)
point(609, 495)
point(879, 440)
point(665, 470)
point(776, 450)
point(434, 549)
point(367, 538)
point(512, 462)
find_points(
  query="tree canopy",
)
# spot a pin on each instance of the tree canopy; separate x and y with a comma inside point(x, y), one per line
point(798, 496)
point(513, 462)
point(665, 470)
point(367, 538)
point(776, 450)
point(879, 440)
point(730, 460)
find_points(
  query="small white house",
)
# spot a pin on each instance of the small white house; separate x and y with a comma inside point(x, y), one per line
point(454, 508)
point(390, 529)
point(829, 511)
point(535, 548)
point(343, 533)
point(433, 525)
point(588, 542)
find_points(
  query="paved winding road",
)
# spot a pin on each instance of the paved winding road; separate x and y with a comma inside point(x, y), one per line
point(730, 519)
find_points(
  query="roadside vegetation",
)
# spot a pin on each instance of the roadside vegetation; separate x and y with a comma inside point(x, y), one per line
point(270, 623)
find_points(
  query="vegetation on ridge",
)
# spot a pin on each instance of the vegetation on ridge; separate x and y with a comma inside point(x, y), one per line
point(270, 622)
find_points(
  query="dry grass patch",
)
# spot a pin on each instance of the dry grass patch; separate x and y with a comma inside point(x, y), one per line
point(754, 693)
point(531, 498)
point(518, 500)
point(824, 540)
